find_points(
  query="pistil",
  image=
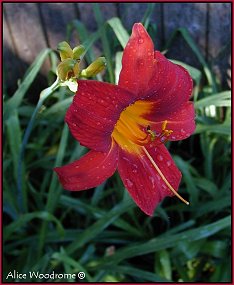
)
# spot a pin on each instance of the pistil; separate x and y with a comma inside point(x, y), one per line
point(163, 177)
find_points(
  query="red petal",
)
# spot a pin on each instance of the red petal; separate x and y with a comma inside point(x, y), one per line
point(170, 86)
point(138, 61)
point(181, 122)
point(143, 181)
point(89, 171)
point(94, 112)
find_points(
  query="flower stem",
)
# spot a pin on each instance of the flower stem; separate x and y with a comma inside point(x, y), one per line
point(43, 96)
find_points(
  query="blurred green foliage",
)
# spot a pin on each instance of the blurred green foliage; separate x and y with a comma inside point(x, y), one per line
point(101, 232)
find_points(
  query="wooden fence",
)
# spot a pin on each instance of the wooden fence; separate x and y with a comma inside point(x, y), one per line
point(30, 27)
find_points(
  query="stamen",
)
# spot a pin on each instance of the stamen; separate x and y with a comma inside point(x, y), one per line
point(163, 177)
point(163, 136)
point(151, 133)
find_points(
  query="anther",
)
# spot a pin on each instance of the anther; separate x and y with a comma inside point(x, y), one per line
point(151, 133)
point(163, 136)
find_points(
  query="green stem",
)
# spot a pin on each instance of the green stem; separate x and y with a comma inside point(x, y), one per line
point(22, 197)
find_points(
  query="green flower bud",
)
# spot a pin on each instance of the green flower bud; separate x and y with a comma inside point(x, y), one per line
point(65, 50)
point(67, 69)
point(78, 51)
point(94, 68)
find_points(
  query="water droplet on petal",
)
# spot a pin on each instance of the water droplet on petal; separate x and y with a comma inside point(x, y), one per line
point(125, 158)
point(159, 157)
point(129, 183)
point(164, 186)
point(182, 131)
point(140, 41)
point(168, 163)
point(151, 178)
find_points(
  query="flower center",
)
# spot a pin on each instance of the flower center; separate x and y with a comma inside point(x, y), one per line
point(133, 130)
point(132, 133)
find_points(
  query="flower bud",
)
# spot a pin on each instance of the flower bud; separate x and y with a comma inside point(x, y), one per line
point(94, 68)
point(78, 51)
point(67, 69)
point(65, 50)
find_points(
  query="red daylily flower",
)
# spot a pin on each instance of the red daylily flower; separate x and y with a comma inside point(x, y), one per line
point(126, 125)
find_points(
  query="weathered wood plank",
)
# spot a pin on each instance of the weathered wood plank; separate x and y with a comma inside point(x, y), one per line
point(219, 39)
point(26, 28)
point(87, 17)
point(10, 62)
point(131, 13)
point(25, 25)
point(35, 25)
point(192, 16)
point(56, 17)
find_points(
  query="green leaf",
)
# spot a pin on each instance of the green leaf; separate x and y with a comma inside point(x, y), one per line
point(26, 218)
point(29, 77)
point(189, 40)
point(119, 30)
point(164, 242)
point(118, 65)
point(163, 264)
point(222, 99)
point(58, 108)
point(14, 138)
point(143, 275)
point(206, 185)
point(222, 129)
point(104, 39)
point(216, 248)
point(99, 226)
point(213, 206)
point(67, 260)
point(146, 18)
point(188, 178)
